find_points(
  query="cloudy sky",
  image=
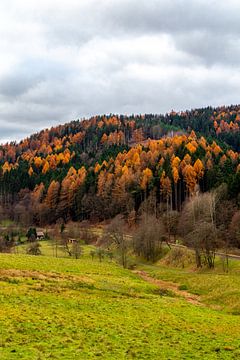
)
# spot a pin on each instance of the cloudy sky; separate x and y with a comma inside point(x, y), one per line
point(68, 59)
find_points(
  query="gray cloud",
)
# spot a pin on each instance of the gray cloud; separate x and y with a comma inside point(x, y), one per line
point(72, 59)
point(179, 15)
point(141, 17)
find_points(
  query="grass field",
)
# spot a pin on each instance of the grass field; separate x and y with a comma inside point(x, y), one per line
point(61, 308)
point(216, 288)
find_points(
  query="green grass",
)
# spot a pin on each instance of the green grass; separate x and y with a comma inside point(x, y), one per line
point(48, 248)
point(6, 223)
point(61, 308)
point(215, 287)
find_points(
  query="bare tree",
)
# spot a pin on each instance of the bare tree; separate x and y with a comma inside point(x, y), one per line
point(64, 241)
point(198, 226)
point(114, 234)
point(170, 221)
point(205, 242)
point(76, 249)
point(147, 240)
point(235, 229)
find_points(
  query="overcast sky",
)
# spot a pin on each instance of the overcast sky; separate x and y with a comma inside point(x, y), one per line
point(68, 59)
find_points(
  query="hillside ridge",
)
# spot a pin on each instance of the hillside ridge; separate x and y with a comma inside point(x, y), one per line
point(97, 168)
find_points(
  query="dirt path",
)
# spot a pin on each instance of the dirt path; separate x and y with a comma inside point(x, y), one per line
point(167, 285)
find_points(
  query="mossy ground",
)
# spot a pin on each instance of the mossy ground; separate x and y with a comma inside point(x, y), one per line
point(60, 308)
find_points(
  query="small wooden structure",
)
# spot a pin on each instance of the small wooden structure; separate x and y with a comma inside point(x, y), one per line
point(72, 241)
point(40, 235)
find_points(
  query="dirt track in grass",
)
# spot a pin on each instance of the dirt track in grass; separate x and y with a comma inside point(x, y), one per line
point(167, 285)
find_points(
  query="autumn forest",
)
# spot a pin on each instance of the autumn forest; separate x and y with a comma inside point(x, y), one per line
point(95, 169)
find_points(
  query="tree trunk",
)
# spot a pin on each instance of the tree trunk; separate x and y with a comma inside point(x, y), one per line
point(198, 258)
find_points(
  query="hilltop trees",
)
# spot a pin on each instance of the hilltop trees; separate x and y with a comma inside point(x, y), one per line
point(109, 165)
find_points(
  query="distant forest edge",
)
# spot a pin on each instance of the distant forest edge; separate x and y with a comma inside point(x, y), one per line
point(95, 169)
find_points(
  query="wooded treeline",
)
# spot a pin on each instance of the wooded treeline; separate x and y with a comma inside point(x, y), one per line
point(97, 168)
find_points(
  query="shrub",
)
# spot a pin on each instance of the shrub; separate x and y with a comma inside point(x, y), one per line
point(34, 248)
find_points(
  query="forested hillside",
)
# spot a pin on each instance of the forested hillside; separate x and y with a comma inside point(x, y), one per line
point(94, 169)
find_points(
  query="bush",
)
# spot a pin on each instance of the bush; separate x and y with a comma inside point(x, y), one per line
point(34, 249)
point(183, 287)
point(179, 257)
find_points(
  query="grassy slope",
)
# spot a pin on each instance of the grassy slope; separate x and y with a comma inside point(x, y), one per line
point(82, 309)
point(216, 287)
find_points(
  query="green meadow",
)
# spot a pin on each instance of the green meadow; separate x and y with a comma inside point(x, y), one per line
point(63, 308)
